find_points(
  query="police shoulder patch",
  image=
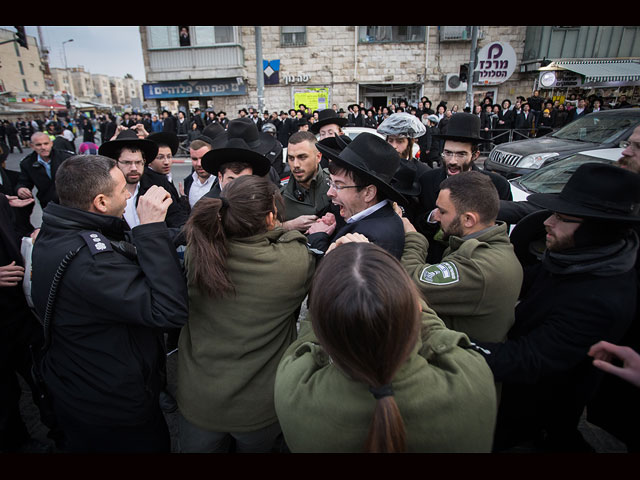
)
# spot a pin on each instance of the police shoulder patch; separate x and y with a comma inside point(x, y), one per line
point(96, 242)
point(444, 273)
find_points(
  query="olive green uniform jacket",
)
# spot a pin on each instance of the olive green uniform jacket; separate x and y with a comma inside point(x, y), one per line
point(313, 201)
point(230, 348)
point(476, 286)
point(444, 392)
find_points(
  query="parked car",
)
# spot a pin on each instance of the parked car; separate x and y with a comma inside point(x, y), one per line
point(552, 178)
point(353, 132)
point(599, 130)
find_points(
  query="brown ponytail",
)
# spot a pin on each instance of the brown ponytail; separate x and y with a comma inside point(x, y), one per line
point(240, 212)
point(364, 311)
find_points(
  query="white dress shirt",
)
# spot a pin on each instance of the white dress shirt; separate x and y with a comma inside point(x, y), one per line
point(199, 189)
point(130, 213)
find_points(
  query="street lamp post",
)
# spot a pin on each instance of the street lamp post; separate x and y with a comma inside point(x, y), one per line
point(66, 71)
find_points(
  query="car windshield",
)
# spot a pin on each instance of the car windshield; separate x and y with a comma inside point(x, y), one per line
point(551, 179)
point(597, 128)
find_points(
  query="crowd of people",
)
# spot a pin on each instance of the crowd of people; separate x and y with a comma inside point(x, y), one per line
point(432, 326)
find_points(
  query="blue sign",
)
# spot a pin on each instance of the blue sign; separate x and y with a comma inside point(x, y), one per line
point(194, 88)
point(271, 70)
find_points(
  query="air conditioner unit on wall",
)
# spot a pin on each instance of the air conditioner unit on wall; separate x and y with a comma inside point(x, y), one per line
point(453, 84)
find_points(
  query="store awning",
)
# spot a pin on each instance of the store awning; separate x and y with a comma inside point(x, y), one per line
point(600, 70)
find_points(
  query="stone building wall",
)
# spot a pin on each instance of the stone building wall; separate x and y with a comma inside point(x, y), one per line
point(332, 57)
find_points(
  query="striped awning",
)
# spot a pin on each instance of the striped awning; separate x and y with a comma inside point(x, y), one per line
point(600, 70)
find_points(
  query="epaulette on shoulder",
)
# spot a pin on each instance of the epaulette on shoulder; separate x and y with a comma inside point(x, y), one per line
point(96, 242)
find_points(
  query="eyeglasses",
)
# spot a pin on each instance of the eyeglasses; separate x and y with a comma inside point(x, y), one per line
point(559, 218)
point(458, 155)
point(138, 163)
point(633, 145)
point(340, 187)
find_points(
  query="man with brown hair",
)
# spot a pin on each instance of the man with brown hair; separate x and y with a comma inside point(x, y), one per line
point(462, 287)
point(199, 182)
point(460, 151)
point(305, 194)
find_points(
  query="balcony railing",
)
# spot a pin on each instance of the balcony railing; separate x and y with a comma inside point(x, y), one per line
point(198, 62)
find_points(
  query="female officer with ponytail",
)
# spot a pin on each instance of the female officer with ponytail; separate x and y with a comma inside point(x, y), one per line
point(375, 370)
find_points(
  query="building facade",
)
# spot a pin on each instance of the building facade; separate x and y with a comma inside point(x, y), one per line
point(22, 72)
point(215, 67)
point(102, 88)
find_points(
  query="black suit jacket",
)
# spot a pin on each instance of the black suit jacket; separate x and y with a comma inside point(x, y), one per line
point(178, 213)
point(188, 181)
point(525, 123)
point(33, 174)
point(383, 228)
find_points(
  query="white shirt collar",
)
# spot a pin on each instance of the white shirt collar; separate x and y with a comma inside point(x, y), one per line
point(130, 213)
point(368, 211)
point(198, 189)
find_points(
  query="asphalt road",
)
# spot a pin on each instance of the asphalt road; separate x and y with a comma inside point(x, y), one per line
point(601, 441)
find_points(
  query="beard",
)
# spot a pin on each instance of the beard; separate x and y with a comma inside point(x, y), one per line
point(555, 244)
point(454, 229)
point(629, 164)
point(455, 168)
point(132, 178)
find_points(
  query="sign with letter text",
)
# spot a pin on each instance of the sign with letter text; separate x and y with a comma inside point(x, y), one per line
point(496, 63)
point(194, 88)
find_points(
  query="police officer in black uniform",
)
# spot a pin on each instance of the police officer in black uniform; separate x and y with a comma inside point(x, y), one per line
point(104, 303)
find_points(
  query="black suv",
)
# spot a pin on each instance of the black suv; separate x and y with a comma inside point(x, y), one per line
point(596, 130)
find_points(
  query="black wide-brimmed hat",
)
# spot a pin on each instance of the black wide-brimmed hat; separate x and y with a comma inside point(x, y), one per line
point(327, 117)
point(246, 129)
point(371, 156)
point(129, 138)
point(212, 130)
point(240, 143)
point(596, 191)
point(330, 147)
point(405, 180)
point(165, 138)
point(462, 127)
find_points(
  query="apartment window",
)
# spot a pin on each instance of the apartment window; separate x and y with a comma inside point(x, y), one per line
point(396, 33)
point(20, 67)
point(293, 36)
point(189, 36)
point(24, 84)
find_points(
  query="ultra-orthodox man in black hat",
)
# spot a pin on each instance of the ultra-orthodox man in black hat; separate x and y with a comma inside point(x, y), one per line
point(360, 187)
point(583, 289)
point(240, 150)
point(460, 153)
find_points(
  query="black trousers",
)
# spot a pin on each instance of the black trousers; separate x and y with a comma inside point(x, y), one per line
point(17, 335)
point(151, 436)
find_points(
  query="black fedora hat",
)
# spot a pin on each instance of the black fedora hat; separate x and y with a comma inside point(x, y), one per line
point(597, 191)
point(235, 150)
point(374, 158)
point(165, 138)
point(462, 127)
point(330, 147)
point(405, 179)
point(213, 130)
point(129, 138)
point(246, 129)
point(327, 117)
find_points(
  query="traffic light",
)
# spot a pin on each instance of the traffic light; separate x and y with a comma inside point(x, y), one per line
point(22, 37)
